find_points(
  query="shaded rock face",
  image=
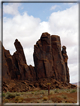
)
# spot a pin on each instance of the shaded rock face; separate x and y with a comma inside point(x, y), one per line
point(58, 63)
point(49, 60)
point(19, 49)
point(65, 58)
point(15, 66)
point(43, 57)
point(6, 73)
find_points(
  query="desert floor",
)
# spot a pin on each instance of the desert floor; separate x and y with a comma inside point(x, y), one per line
point(41, 96)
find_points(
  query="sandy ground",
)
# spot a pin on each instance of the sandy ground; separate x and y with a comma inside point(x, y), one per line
point(41, 96)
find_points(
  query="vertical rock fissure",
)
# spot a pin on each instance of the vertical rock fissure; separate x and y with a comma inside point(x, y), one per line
point(44, 68)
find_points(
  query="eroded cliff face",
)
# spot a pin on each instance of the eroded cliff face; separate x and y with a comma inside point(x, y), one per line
point(49, 60)
point(43, 57)
point(15, 66)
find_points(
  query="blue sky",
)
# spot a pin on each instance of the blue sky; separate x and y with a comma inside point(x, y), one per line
point(27, 21)
point(40, 10)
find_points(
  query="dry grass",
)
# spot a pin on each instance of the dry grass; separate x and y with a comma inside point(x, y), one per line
point(45, 98)
point(41, 96)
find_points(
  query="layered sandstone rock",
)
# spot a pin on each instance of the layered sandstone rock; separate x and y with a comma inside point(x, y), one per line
point(49, 60)
point(65, 58)
point(15, 66)
point(58, 63)
point(43, 57)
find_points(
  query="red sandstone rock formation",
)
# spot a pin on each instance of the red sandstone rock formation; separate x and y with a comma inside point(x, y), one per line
point(49, 61)
point(58, 62)
point(43, 57)
point(5, 67)
point(65, 58)
point(15, 66)
point(48, 58)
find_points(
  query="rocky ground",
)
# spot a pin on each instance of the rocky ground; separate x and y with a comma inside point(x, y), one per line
point(41, 84)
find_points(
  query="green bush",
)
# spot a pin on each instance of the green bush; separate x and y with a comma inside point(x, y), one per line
point(72, 91)
point(3, 94)
point(9, 95)
point(17, 94)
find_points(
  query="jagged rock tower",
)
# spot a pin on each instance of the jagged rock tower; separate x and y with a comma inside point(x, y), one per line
point(49, 60)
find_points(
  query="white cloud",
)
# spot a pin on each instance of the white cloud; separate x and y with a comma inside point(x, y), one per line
point(28, 30)
point(74, 74)
point(11, 8)
point(54, 7)
point(65, 24)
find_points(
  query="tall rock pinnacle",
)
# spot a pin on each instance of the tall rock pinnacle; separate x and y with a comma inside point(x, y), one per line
point(49, 60)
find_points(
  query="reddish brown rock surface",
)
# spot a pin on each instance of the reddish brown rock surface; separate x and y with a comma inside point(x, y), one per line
point(65, 58)
point(50, 66)
point(43, 57)
point(48, 59)
point(15, 66)
point(25, 85)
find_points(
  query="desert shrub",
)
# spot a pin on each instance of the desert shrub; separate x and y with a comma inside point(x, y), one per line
point(37, 101)
point(28, 92)
point(22, 93)
point(64, 96)
point(41, 96)
point(17, 94)
point(51, 92)
point(36, 93)
point(56, 99)
point(56, 91)
point(18, 99)
point(45, 98)
point(3, 94)
point(42, 92)
point(59, 96)
point(9, 95)
point(6, 100)
point(24, 101)
point(72, 91)
point(68, 90)
point(32, 92)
